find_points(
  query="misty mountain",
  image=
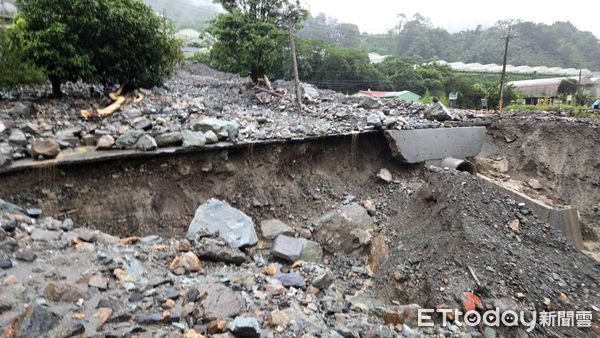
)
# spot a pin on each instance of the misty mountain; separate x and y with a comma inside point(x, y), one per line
point(186, 13)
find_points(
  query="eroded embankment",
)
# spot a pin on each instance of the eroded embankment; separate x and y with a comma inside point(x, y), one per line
point(562, 155)
point(159, 195)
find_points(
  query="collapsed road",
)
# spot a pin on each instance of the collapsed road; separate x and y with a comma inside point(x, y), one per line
point(284, 224)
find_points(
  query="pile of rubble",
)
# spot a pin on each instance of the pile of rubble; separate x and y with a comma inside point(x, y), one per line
point(358, 270)
point(198, 106)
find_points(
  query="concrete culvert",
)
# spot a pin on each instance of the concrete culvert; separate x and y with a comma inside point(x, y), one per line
point(460, 165)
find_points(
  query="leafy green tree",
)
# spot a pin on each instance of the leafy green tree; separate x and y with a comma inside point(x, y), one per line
point(140, 50)
point(98, 41)
point(251, 34)
point(14, 67)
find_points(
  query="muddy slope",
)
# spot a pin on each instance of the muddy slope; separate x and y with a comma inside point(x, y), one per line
point(563, 155)
point(159, 196)
point(455, 236)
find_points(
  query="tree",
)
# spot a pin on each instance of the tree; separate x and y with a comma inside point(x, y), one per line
point(14, 67)
point(250, 35)
point(98, 41)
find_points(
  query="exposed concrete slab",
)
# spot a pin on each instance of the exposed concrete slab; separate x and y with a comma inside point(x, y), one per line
point(566, 220)
point(82, 155)
point(420, 145)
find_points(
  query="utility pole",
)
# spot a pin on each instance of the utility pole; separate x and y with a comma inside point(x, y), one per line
point(507, 38)
point(578, 87)
point(295, 66)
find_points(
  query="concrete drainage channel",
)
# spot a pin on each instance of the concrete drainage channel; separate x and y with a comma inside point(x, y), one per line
point(342, 235)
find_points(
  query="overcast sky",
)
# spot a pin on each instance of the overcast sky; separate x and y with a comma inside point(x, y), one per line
point(378, 16)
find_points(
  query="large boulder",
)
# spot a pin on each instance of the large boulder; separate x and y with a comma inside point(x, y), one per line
point(216, 217)
point(345, 230)
point(45, 148)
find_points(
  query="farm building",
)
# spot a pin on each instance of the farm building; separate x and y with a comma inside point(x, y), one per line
point(546, 90)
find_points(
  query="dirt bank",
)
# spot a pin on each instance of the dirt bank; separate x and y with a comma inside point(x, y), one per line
point(294, 181)
point(563, 155)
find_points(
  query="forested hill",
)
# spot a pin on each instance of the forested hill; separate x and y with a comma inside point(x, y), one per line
point(186, 13)
point(558, 45)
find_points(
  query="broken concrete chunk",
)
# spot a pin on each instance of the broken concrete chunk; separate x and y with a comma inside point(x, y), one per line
point(343, 230)
point(219, 218)
point(287, 248)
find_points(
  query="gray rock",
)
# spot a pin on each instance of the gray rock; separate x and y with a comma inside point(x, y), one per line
point(219, 218)
point(5, 161)
point(129, 138)
point(146, 143)
point(5, 263)
point(76, 330)
point(67, 225)
point(171, 139)
point(385, 175)
point(17, 138)
point(309, 92)
point(438, 112)
point(273, 227)
point(2, 127)
point(324, 280)
point(45, 235)
point(47, 149)
point(36, 321)
point(287, 248)
point(220, 301)
point(245, 327)
point(99, 282)
point(343, 231)
point(211, 137)
point(214, 250)
point(219, 127)
point(312, 252)
point(34, 212)
point(369, 103)
point(193, 139)
point(292, 279)
point(21, 109)
point(149, 318)
point(26, 255)
point(374, 120)
point(143, 124)
point(64, 293)
point(389, 122)
point(105, 142)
